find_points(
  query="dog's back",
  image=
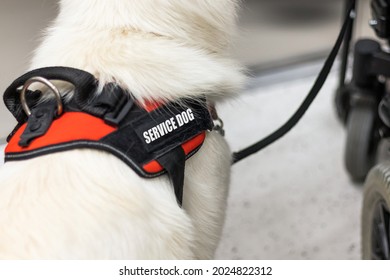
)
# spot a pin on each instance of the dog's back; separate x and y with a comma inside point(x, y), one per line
point(89, 204)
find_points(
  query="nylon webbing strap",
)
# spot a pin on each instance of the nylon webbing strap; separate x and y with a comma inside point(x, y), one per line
point(308, 100)
point(84, 82)
point(174, 163)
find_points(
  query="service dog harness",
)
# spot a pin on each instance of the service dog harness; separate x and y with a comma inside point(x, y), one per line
point(152, 139)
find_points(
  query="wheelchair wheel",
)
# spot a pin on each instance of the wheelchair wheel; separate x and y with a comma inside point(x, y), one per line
point(376, 214)
point(341, 101)
point(383, 151)
point(360, 146)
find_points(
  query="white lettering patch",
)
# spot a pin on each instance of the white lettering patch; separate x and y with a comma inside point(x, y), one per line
point(168, 126)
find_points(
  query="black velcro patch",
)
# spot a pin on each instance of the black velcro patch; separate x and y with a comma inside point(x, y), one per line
point(171, 125)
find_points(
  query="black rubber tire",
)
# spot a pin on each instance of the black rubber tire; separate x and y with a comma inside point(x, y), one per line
point(375, 226)
point(360, 150)
point(341, 101)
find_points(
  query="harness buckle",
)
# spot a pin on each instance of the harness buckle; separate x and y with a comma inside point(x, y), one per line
point(112, 104)
point(122, 108)
point(38, 123)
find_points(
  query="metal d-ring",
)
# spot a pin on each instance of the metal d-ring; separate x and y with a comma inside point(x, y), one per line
point(47, 83)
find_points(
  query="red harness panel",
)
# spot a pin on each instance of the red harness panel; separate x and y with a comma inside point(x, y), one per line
point(69, 127)
point(188, 147)
point(76, 126)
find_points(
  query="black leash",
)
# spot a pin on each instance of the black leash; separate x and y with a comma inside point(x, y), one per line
point(294, 119)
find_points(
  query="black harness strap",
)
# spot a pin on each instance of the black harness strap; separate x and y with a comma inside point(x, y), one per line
point(38, 123)
point(174, 163)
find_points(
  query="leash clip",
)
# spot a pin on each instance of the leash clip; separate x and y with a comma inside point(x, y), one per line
point(218, 126)
point(217, 121)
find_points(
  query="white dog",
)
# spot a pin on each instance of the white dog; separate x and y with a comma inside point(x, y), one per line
point(88, 204)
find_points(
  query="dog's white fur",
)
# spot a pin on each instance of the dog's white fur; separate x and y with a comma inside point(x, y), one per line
point(86, 204)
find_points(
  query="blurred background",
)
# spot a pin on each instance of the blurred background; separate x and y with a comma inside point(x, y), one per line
point(277, 33)
point(294, 200)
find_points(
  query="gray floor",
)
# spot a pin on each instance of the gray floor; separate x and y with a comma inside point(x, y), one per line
point(294, 199)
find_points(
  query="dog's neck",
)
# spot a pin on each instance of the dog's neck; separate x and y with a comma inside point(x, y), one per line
point(157, 49)
point(202, 22)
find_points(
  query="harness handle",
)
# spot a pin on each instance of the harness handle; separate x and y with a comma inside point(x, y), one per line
point(83, 82)
point(295, 118)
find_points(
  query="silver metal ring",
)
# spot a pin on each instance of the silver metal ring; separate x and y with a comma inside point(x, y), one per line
point(47, 83)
